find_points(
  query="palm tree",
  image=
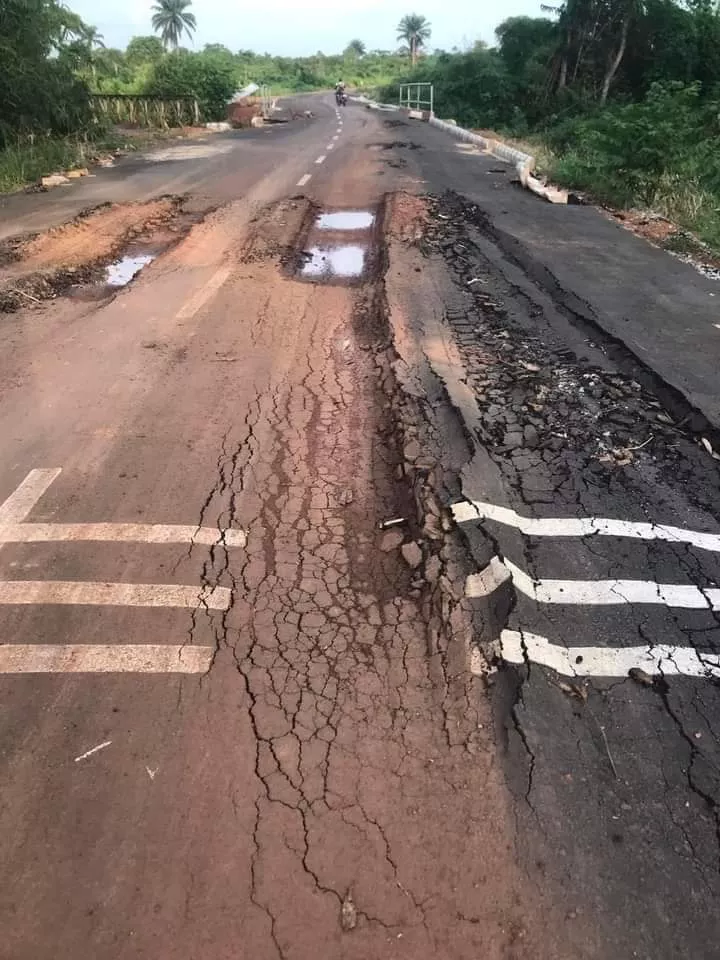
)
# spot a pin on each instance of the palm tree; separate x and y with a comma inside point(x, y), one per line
point(414, 30)
point(356, 48)
point(171, 19)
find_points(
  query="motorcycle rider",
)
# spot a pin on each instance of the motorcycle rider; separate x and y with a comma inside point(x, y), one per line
point(340, 91)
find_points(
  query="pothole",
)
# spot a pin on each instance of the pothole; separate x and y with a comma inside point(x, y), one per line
point(121, 272)
point(340, 246)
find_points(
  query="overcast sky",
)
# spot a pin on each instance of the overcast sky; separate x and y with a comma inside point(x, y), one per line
point(297, 28)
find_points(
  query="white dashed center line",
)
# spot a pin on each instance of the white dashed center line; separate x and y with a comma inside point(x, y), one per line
point(304, 180)
point(321, 159)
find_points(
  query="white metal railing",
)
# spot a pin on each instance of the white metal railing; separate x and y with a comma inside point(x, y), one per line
point(418, 96)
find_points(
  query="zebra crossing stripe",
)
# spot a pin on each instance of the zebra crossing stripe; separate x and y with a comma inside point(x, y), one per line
point(469, 510)
point(662, 660)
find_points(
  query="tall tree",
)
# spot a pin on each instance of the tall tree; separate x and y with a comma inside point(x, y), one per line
point(623, 14)
point(144, 50)
point(356, 48)
point(414, 30)
point(171, 19)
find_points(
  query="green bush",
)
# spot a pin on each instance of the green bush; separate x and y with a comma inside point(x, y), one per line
point(626, 149)
point(207, 77)
point(39, 91)
point(473, 88)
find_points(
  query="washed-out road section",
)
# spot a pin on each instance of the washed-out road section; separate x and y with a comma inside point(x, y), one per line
point(242, 712)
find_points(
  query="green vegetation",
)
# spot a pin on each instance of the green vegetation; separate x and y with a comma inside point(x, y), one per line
point(171, 19)
point(622, 97)
point(414, 30)
point(39, 89)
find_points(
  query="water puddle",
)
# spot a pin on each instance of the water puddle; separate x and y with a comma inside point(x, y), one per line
point(329, 262)
point(120, 273)
point(340, 247)
point(346, 220)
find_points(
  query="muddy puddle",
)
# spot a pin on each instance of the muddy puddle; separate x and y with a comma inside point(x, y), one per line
point(334, 262)
point(121, 272)
point(95, 255)
point(346, 220)
point(340, 246)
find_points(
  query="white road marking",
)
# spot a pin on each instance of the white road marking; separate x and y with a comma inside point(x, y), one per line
point(119, 533)
point(23, 592)
point(304, 180)
point(608, 661)
point(584, 526)
point(614, 592)
point(330, 146)
point(113, 658)
point(19, 504)
point(152, 773)
point(487, 582)
point(337, 136)
point(321, 159)
point(89, 753)
point(197, 302)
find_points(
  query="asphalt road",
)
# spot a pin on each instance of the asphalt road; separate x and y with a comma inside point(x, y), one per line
point(242, 718)
point(582, 367)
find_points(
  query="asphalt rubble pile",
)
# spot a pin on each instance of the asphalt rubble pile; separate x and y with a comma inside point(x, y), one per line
point(554, 423)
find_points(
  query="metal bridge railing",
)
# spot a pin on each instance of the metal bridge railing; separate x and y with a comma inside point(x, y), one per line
point(418, 96)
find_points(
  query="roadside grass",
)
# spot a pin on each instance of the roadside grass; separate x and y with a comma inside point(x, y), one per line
point(31, 158)
point(25, 162)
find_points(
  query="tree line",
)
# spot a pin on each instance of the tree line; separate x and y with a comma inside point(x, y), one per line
point(623, 96)
point(624, 93)
point(52, 62)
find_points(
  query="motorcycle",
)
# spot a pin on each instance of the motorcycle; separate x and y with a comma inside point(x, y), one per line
point(341, 98)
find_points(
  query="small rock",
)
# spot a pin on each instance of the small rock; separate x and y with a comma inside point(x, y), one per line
point(391, 541)
point(348, 914)
point(639, 676)
point(55, 180)
point(412, 554)
point(513, 440)
point(432, 569)
point(413, 450)
point(346, 497)
point(432, 527)
point(531, 437)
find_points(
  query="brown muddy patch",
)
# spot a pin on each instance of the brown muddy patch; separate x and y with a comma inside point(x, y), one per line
point(93, 255)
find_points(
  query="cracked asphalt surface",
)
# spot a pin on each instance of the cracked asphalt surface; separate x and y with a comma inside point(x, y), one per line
point(616, 780)
point(325, 787)
point(353, 772)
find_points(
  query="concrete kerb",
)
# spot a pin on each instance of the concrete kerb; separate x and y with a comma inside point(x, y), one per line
point(524, 163)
